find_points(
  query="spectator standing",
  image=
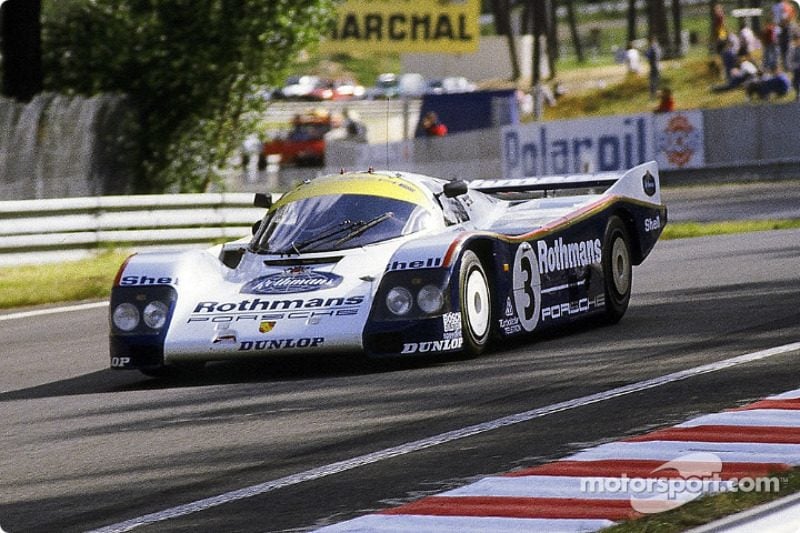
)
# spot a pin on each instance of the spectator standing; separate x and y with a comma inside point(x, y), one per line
point(769, 40)
point(794, 64)
point(433, 126)
point(653, 54)
point(719, 33)
point(749, 43)
point(633, 61)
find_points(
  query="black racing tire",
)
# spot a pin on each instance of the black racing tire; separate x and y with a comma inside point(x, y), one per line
point(617, 269)
point(476, 305)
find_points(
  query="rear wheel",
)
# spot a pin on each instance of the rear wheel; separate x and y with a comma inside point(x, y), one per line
point(476, 304)
point(617, 269)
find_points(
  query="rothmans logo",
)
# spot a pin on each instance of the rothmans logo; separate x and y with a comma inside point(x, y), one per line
point(564, 256)
point(296, 279)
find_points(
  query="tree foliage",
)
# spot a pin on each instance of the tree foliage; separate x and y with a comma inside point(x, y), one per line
point(20, 48)
point(191, 68)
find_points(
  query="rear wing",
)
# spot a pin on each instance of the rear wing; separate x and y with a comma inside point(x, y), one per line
point(639, 182)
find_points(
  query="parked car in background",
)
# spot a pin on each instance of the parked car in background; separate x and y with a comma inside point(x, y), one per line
point(386, 86)
point(411, 85)
point(298, 87)
point(449, 85)
point(305, 143)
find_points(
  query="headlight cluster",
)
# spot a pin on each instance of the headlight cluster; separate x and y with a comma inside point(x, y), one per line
point(400, 300)
point(126, 316)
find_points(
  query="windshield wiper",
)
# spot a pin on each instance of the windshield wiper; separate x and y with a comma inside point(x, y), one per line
point(351, 229)
point(364, 226)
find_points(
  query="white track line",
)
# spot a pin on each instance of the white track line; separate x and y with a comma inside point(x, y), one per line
point(442, 438)
point(53, 310)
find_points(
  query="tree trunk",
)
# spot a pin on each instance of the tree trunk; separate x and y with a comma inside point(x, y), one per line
point(657, 22)
point(553, 51)
point(21, 48)
point(502, 24)
point(573, 30)
point(632, 20)
point(677, 29)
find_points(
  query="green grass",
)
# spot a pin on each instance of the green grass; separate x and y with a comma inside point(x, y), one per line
point(707, 509)
point(86, 279)
point(684, 230)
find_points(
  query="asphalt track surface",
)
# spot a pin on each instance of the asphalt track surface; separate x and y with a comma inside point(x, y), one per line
point(83, 447)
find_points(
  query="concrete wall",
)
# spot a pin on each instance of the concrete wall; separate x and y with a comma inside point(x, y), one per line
point(756, 132)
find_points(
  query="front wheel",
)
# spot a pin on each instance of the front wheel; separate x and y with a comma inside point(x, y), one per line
point(476, 304)
point(617, 269)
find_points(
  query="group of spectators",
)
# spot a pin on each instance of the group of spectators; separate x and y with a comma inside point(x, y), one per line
point(760, 64)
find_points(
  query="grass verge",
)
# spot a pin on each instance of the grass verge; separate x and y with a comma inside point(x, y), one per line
point(708, 508)
point(64, 282)
point(684, 230)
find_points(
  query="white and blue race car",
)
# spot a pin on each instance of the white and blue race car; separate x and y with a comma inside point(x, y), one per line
point(392, 264)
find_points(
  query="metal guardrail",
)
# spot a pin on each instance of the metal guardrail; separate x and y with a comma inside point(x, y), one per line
point(39, 231)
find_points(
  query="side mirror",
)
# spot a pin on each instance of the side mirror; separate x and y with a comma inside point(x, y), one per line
point(455, 188)
point(262, 200)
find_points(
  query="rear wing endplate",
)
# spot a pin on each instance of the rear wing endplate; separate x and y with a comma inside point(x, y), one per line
point(640, 182)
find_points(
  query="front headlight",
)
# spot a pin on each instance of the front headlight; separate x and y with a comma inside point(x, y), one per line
point(155, 314)
point(399, 301)
point(126, 317)
point(430, 299)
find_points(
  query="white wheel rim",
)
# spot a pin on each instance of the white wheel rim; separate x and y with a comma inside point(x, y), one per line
point(620, 266)
point(477, 303)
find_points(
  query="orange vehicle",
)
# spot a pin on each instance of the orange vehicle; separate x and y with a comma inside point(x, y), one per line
point(305, 143)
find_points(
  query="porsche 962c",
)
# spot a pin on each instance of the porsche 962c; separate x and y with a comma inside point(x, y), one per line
point(392, 264)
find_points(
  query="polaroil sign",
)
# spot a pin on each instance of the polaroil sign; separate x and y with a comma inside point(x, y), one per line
point(443, 26)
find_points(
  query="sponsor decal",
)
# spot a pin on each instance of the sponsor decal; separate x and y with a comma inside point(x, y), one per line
point(451, 322)
point(431, 262)
point(559, 256)
point(442, 26)
point(131, 281)
point(527, 287)
point(433, 346)
point(679, 140)
point(280, 344)
point(120, 362)
point(292, 280)
point(273, 317)
point(570, 309)
point(257, 304)
point(266, 326)
point(510, 324)
point(649, 184)
point(569, 146)
point(652, 224)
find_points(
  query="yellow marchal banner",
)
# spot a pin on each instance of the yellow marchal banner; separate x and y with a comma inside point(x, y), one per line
point(444, 26)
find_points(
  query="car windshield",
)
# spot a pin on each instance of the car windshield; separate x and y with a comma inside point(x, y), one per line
point(338, 221)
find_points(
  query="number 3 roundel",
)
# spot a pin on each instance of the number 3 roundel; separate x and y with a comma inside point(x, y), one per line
point(527, 287)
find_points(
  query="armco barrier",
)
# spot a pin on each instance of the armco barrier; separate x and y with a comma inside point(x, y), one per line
point(38, 231)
